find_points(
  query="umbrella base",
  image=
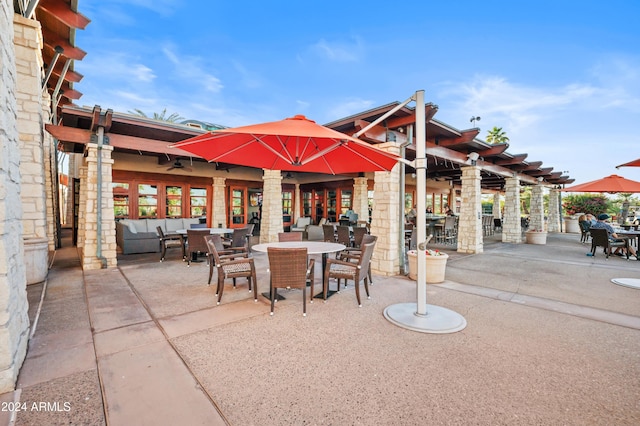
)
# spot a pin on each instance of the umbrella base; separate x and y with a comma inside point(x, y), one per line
point(627, 282)
point(438, 320)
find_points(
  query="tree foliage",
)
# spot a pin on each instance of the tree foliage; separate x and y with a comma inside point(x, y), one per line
point(496, 135)
point(159, 116)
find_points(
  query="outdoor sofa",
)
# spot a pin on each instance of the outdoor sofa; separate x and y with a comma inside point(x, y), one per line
point(140, 236)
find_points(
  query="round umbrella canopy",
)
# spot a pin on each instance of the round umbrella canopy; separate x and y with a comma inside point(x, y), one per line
point(612, 184)
point(634, 163)
point(293, 144)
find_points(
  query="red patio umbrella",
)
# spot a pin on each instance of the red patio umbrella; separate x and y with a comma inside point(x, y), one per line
point(293, 144)
point(612, 184)
point(634, 163)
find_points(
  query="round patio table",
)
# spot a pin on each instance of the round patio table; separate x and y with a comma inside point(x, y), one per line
point(313, 247)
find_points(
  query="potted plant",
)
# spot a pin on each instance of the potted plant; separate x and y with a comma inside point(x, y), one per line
point(536, 236)
point(436, 262)
point(576, 204)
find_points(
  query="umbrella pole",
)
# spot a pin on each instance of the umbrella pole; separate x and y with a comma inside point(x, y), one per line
point(420, 316)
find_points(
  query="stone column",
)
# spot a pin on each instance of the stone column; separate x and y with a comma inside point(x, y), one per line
point(219, 202)
point(553, 224)
point(297, 204)
point(91, 257)
point(511, 229)
point(536, 210)
point(451, 199)
point(14, 320)
point(497, 213)
point(470, 222)
point(271, 223)
point(361, 198)
point(28, 50)
point(384, 223)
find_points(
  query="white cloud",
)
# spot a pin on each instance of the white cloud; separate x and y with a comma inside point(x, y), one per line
point(339, 52)
point(190, 70)
point(348, 107)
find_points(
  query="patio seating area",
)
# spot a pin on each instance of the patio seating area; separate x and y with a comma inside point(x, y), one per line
point(549, 340)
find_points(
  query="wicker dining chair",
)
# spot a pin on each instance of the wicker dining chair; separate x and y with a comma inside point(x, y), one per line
point(196, 244)
point(600, 238)
point(232, 267)
point(289, 269)
point(342, 269)
point(358, 233)
point(223, 254)
point(289, 236)
point(169, 241)
point(329, 233)
point(239, 238)
point(344, 235)
point(353, 254)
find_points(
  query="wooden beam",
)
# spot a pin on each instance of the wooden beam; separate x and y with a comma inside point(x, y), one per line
point(466, 137)
point(52, 40)
point(61, 11)
point(395, 122)
point(515, 159)
point(494, 150)
point(541, 172)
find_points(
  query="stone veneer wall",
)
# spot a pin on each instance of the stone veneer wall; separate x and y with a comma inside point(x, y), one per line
point(553, 224)
point(219, 213)
point(28, 48)
point(271, 223)
point(536, 210)
point(470, 222)
point(511, 229)
point(497, 213)
point(361, 198)
point(89, 255)
point(14, 320)
point(384, 223)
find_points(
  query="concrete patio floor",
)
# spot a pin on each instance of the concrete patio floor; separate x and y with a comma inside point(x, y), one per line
point(549, 340)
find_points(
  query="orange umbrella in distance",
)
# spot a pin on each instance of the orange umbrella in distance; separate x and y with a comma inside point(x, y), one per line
point(634, 163)
point(612, 184)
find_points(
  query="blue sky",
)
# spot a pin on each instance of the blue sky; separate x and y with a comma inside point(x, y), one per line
point(562, 78)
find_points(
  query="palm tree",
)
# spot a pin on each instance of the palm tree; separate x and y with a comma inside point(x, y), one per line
point(161, 117)
point(496, 135)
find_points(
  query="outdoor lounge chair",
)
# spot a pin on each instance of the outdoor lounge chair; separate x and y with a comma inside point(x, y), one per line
point(289, 269)
point(237, 267)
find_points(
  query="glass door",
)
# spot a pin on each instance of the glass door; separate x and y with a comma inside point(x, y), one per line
point(237, 207)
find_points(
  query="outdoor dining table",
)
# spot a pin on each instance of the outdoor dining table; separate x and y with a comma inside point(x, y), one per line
point(313, 247)
point(629, 235)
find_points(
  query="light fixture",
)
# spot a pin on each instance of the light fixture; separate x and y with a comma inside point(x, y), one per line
point(540, 178)
point(473, 157)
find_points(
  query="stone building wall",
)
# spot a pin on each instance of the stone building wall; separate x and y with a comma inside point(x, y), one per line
point(511, 228)
point(14, 320)
point(553, 224)
point(470, 222)
point(536, 210)
point(271, 223)
point(384, 223)
point(219, 212)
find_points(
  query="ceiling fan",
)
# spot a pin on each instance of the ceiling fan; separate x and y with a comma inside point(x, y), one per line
point(178, 165)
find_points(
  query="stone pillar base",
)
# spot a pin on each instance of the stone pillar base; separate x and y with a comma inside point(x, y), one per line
point(36, 259)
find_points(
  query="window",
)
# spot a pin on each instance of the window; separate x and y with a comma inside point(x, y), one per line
point(331, 206)
point(238, 204)
point(345, 201)
point(173, 201)
point(147, 201)
point(120, 200)
point(287, 206)
point(306, 204)
point(198, 202)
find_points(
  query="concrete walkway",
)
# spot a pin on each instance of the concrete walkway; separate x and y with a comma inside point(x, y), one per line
point(550, 340)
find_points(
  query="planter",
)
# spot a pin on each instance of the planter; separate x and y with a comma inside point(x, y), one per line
point(36, 259)
point(436, 266)
point(536, 237)
point(571, 226)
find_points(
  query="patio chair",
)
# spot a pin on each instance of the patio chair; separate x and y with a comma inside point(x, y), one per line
point(169, 241)
point(196, 244)
point(358, 233)
point(329, 233)
point(289, 236)
point(584, 231)
point(341, 269)
point(353, 254)
point(223, 254)
point(497, 223)
point(239, 238)
point(600, 238)
point(344, 235)
point(228, 267)
point(289, 269)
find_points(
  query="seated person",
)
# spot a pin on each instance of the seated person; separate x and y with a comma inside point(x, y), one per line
point(429, 210)
point(601, 223)
point(591, 219)
point(448, 210)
